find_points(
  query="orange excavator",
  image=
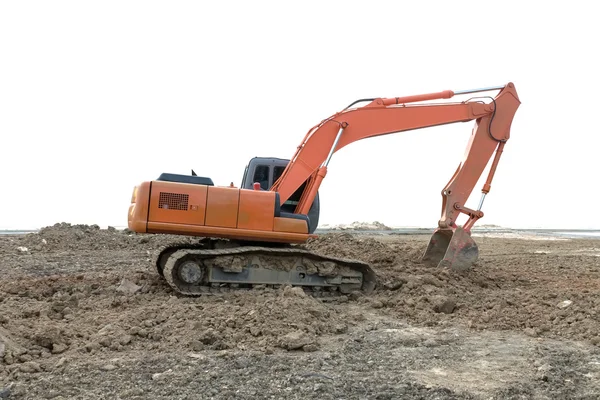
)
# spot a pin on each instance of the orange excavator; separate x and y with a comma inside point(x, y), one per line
point(249, 235)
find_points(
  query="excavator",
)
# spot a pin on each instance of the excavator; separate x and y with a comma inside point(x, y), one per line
point(253, 235)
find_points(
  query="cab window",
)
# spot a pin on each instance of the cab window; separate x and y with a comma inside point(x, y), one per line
point(261, 175)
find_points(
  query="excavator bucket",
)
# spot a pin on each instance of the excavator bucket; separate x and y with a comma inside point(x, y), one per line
point(455, 250)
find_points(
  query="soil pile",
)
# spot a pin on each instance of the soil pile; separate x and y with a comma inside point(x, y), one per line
point(79, 304)
point(360, 226)
point(64, 236)
point(535, 292)
point(87, 318)
point(346, 245)
point(85, 290)
point(88, 290)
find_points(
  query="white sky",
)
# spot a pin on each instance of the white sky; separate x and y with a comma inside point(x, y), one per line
point(96, 97)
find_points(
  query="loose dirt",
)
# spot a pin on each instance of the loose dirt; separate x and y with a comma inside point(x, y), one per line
point(83, 314)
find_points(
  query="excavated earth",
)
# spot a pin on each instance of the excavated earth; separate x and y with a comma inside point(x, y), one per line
point(84, 315)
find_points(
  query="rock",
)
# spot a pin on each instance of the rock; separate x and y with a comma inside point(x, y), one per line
point(92, 346)
point(296, 291)
point(197, 356)
point(2, 349)
point(124, 340)
point(111, 331)
point(5, 393)
point(133, 392)
point(355, 295)
point(22, 249)
point(530, 332)
point(564, 304)
point(432, 280)
point(161, 375)
point(142, 332)
point(343, 299)
point(30, 367)
point(128, 287)
point(310, 347)
point(430, 343)
point(60, 362)
point(108, 367)
point(255, 330)
point(6, 343)
point(393, 285)
point(58, 348)
point(52, 394)
point(376, 304)
point(295, 340)
point(47, 338)
point(444, 305)
point(196, 345)
point(318, 387)
point(209, 336)
point(8, 359)
point(543, 372)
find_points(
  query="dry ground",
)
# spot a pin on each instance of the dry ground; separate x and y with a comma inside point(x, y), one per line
point(83, 315)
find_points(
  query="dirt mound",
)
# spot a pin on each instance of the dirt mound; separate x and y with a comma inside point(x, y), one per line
point(359, 226)
point(65, 236)
point(495, 294)
point(346, 245)
point(90, 290)
point(102, 313)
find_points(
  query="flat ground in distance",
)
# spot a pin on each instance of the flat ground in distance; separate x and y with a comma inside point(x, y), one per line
point(84, 315)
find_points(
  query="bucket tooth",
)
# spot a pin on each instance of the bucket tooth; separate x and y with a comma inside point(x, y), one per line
point(455, 250)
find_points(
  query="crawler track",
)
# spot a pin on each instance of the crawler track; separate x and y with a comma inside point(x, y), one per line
point(214, 266)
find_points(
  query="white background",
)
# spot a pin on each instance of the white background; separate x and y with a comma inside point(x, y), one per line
point(96, 97)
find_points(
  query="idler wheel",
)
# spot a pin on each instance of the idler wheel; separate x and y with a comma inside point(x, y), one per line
point(190, 272)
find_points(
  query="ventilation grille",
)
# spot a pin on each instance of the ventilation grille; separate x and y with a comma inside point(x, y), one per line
point(173, 201)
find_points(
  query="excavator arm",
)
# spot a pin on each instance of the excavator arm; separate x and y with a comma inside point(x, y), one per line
point(450, 244)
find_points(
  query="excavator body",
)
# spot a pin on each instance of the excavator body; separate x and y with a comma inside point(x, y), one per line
point(257, 227)
point(249, 235)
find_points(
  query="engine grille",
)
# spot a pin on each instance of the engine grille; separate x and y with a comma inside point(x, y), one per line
point(173, 201)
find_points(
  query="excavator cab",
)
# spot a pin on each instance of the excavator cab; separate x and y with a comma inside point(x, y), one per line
point(266, 171)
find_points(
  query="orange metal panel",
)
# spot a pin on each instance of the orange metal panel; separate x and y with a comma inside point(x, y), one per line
point(290, 225)
point(231, 233)
point(138, 209)
point(176, 202)
point(257, 210)
point(222, 206)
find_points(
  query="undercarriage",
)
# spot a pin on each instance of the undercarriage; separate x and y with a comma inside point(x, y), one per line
point(218, 265)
